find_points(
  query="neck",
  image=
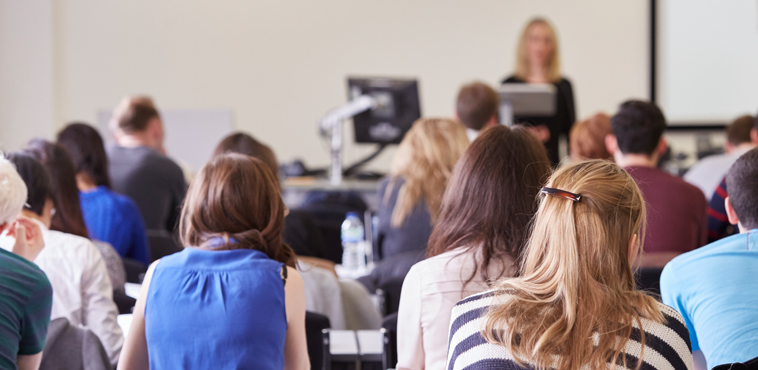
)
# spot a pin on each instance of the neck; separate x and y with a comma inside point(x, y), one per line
point(742, 147)
point(639, 160)
point(136, 139)
point(537, 73)
point(45, 219)
point(84, 182)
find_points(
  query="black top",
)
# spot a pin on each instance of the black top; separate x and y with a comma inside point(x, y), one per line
point(153, 181)
point(560, 124)
point(412, 235)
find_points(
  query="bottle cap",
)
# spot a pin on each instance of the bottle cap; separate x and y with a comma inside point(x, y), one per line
point(352, 214)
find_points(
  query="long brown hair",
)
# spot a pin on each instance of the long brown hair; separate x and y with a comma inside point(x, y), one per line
point(576, 284)
point(68, 212)
point(425, 160)
point(491, 197)
point(237, 198)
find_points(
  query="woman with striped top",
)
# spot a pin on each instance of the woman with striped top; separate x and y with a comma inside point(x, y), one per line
point(574, 305)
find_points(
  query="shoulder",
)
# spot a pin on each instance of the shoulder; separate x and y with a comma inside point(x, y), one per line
point(673, 337)
point(564, 82)
point(511, 79)
point(436, 263)
point(17, 268)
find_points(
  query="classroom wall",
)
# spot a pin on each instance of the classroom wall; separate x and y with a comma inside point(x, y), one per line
point(280, 65)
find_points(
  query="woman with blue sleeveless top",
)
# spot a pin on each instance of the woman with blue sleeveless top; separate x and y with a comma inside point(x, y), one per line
point(232, 299)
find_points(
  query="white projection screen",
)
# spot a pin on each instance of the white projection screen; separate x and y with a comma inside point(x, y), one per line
point(706, 60)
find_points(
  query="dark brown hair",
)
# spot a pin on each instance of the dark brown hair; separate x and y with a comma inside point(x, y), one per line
point(136, 115)
point(237, 198)
point(87, 151)
point(741, 181)
point(738, 132)
point(242, 143)
point(638, 127)
point(68, 212)
point(477, 103)
point(491, 197)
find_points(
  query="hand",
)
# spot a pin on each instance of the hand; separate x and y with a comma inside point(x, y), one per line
point(541, 132)
point(28, 236)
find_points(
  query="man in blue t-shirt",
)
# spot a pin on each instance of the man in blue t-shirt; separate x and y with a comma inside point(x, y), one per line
point(714, 287)
point(26, 297)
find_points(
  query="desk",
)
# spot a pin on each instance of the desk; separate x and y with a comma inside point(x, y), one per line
point(296, 188)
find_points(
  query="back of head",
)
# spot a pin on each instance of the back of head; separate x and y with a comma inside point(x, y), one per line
point(742, 185)
point(587, 138)
point(491, 196)
point(477, 104)
point(13, 191)
point(638, 127)
point(87, 151)
point(65, 193)
point(243, 143)
point(236, 198)
point(738, 132)
point(37, 181)
point(134, 114)
point(425, 161)
point(576, 275)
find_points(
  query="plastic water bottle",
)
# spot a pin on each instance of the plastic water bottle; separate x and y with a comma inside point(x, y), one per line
point(353, 243)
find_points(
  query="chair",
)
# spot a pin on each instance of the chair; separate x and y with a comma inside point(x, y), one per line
point(390, 293)
point(389, 327)
point(135, 270)
point(162, 244)
point(124, 303)
point(329, 209)
point(747, 365)
point(649, 279)
point(71, 347)
point(314, 325)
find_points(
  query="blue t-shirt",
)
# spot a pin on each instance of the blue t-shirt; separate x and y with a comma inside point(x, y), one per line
point(114, 218)
point(715, 289)
point(26, 300)
point(216, 310)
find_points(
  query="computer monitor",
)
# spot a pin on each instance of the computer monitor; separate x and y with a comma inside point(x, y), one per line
point(397, 107)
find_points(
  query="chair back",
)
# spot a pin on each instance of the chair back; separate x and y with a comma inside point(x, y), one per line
point(162, 244)
point(390, 293)
point(314, 324)
point(649, 279)
point(135, 270)
point(329, 209)
point(70, 347)
point(747, 365)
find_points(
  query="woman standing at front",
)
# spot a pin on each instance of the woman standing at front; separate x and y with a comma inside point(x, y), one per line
point(232, 299)
point(538, 61)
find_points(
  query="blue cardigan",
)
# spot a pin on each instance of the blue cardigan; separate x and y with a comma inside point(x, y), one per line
point(114, 218)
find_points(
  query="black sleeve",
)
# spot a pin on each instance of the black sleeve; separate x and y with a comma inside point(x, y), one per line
point(568, 94)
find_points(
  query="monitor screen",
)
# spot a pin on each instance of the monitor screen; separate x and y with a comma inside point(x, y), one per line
point(397, 107)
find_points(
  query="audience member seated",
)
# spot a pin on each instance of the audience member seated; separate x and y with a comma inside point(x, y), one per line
point(477, 108)
point(676, 209)
point(68, 214)
point(587, 138)
point(741, 136)
point(574, 305)
point(26, 296)
point(719, 226)
point(82, 290)
point(232, 298)
point(110, 217)
point(714, 287)
point(138, 167)
point(478, 236)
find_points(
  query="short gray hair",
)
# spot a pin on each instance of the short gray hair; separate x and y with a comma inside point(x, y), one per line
point(12, 191)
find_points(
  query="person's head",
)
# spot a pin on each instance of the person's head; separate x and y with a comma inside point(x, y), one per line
point(39, 187)
point(243, 143)
point(587, 138)
point(13, 193)
point(87, 151)
point(738, 132)
point(477, 106)
point(491, 196)
point(236, 198)
point(425, 161)
point(742, 186)
point(638, 128)
point(137, 118)
point(64, 192)
point(538, 47)
point(576, 274)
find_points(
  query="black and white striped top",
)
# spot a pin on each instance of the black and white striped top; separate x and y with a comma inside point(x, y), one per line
point(667, 347)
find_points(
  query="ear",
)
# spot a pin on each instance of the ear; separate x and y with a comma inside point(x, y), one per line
point(4, 226)
point(730, 213)
point(611, 144)
point(729, 147)
point(754, 136)
point(662, 146)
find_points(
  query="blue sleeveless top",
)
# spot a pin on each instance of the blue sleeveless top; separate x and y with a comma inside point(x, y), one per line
point(216, 310)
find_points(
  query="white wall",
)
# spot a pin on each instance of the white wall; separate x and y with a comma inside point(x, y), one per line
point(280, 65)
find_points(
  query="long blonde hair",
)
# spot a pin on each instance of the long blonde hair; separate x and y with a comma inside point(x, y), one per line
point(425, 160)
point(553, 67)
point(576, 283)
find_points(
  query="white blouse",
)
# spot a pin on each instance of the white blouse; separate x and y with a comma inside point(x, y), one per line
point(430, 291)
point(82, 290)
